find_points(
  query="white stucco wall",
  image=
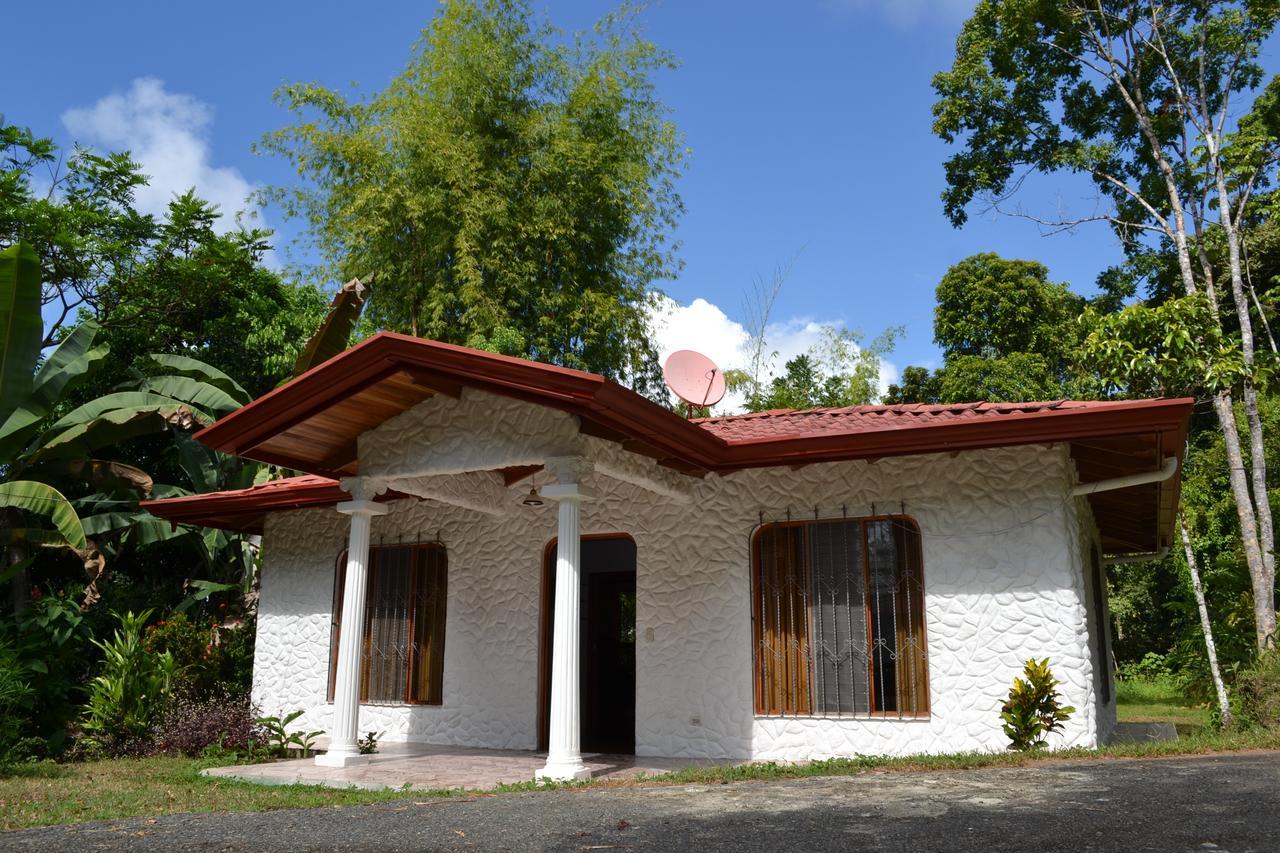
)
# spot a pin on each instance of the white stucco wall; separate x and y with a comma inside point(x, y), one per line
point(1002, 571)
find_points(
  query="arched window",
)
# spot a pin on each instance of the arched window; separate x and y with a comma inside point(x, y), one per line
point(402, 656)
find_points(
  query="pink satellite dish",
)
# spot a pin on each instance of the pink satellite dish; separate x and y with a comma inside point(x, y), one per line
point(694, 378)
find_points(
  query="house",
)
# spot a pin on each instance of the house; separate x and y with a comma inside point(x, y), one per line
point(491, 552)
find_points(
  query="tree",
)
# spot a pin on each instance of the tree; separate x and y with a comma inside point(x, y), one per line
point(509, 190)
point(1007, 334)
point(1137, 97)
point(837, 371)
point(174, 285)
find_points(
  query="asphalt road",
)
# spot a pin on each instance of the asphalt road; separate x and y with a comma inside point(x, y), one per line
point(1215, 803)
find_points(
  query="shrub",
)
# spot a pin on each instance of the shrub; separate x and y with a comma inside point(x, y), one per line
point(48, 641)
point(130, 692)
point(1257, 692)
point(281, 742)
point(211, 659)
point(191, 725)
point(17, 698)
point(1152, 667)
point(1033, 710)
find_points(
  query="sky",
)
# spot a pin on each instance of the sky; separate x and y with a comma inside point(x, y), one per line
point(808, 125)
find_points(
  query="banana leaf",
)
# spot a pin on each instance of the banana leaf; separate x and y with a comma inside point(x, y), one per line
point(199, 394)
point(113, 427)
point(44, 500)
point(21, 327)
point(100, 473)
point(335, 331)
point(109, 402)
point(181, 365)
point(73, 359)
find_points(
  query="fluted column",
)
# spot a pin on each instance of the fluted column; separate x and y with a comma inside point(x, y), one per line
point(564, 753)
point(343, 751)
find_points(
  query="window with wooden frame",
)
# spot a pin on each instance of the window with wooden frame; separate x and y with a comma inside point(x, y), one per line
point(402, 656)
point(838, 618)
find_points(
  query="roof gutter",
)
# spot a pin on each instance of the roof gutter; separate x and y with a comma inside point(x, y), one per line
point(1170, 468)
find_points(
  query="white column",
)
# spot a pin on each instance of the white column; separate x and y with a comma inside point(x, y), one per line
point(564, 753)
point(343, 751)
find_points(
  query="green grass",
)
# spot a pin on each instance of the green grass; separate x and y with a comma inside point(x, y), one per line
point(1158, 700)
point(46, 793)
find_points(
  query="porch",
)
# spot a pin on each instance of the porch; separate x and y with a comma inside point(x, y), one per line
point(428, 767)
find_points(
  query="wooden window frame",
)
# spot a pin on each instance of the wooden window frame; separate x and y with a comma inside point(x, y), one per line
point(335, 626)
point(757, 670)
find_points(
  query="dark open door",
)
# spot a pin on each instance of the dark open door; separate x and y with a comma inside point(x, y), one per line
point(608, 662)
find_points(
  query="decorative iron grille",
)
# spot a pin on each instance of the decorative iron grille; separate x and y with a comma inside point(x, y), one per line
point(402, 655)
point(838, 618)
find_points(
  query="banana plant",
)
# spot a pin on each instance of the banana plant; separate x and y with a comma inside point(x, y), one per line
point(40, 450)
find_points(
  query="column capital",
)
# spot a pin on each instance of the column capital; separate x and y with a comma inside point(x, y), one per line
point(568, 469)
point(365, 508)
point(363, 488)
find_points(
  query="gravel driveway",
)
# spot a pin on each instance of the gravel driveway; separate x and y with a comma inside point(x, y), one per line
point(1224, 802)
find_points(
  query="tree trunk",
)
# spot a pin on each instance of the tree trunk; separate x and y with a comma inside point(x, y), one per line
point(1224, 705)
point(1263, 584)
point(20, 584)
point(1257, 444)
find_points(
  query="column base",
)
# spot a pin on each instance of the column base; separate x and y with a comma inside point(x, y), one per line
point(341, 758)
point(568, 771)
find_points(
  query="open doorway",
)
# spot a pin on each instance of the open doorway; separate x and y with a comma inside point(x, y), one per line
point(608, 644)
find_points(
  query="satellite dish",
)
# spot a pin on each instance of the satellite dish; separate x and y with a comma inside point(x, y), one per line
point(694, 378)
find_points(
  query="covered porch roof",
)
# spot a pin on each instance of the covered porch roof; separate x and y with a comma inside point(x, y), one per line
point(312, 424)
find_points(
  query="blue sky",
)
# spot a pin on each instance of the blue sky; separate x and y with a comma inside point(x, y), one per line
point(808, 124)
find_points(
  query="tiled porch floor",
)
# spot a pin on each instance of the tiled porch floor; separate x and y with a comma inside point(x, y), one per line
point(429, 767)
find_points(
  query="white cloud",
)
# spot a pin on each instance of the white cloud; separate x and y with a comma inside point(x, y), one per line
point(168, 134)
point(703, 326)
point(905, 14)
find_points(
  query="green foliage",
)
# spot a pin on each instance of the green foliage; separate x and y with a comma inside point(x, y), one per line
point(208, 658)
point(1032, 89)
point(44, 500)
point(50, 639)
point(1257, 692)
point(281, 741)
point(17, 700)
point(511, 189)
point(131, 690)
point(840, 370)
point(1174, 348)
point(368, 745)
point(19, 328)
point(1007, 333)
point(1152, 667)
point(1034, 708)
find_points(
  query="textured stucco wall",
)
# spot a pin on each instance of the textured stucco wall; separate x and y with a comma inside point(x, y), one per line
point(1002, 570)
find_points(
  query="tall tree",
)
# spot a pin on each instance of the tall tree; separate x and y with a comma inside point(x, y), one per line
point(1140, 98)
point(511, 189)
point(1007, 334)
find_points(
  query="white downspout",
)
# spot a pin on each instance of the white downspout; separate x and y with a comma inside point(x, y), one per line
point(1137, 558)
point(1170, 468)
point(1164, 473)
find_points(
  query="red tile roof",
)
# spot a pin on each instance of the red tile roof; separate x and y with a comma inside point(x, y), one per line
point(312, 424)
point(853, 420)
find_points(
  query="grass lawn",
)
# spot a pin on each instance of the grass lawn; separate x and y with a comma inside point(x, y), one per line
point(44, 794)
point(47, 793)
point(1158, 701)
